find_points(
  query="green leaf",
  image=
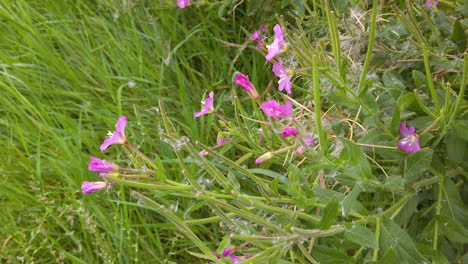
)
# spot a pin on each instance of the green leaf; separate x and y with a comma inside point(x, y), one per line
point(420, 80)
point(458, 36)
point(454, 231)
point(326, 195)
point(361, 235)
point(456, 145)
point(271, 174)
point(405, 101)
point(329, 215)
point(415, 165)
point(395, 123)
point(328, 254)
point(394, 183)
point(392, 236)
point(233, 180)
point(225, 243)
point(353, 156)
point(431, 253)
point(349, 200)
point(389, 257)
point(454, 206)
point(391, 80)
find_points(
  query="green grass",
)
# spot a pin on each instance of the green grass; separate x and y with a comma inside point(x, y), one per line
point(67, 70)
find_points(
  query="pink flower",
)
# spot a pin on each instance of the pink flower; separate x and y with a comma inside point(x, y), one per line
point(274, 109)
point(285, 78)
point(410, 141)
point(256, 36)
point(183, 3)
point(264, 157)
point(278, 45)
point(429, 3)
point(309, 141)
point(228, 253)
point(221, 140)
point(100, 165)
point(243, 81)
point(207, 106)
point(202, 153)
point(290, 131)
point(91, 187)
point(117, 137)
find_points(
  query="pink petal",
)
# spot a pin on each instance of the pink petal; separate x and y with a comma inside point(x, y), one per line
point(277, 46)
point(290, 131)
point(91, 187)
point(183, 3)
point(118, 137)
point(100, 165)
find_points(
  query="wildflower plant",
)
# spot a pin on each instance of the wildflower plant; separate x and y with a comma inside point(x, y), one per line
point(338, 176)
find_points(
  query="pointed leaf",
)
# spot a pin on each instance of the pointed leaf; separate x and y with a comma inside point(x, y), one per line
point(349, 200)
point(392, 236)
point(361, 235)
point(329, 215)
point(415, 165)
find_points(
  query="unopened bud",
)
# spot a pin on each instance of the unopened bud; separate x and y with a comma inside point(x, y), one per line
point(264, 157)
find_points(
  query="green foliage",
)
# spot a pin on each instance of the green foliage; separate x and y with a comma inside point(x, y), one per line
point(68, 69)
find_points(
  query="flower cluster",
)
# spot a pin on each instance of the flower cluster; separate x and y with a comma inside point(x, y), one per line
point(103, 166)
point(280, 113)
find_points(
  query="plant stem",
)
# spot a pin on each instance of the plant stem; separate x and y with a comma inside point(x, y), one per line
point(430, 83)
point(318, 107)
point(439, 207)
point(317, 232)
point(142, 155)
point(377, 237)
point(221, 117)
point(370, 47)
point(152, 186)
point(462, 90)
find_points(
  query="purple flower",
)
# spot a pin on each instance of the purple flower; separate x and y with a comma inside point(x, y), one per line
point(264, 157)
point(410, 141)
point(228, 253)
point(308, 140)
point(278, 45)
point(221, 140)
point(274, 109)
point(256, 36)
point(183, 3)
point(90, 187)
point(243, 81)
point(429, 3)
point(207, 106)
point(285, 78)
point(100, 165)
point(290, 131)
point(202, 153)
point(117, 137)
